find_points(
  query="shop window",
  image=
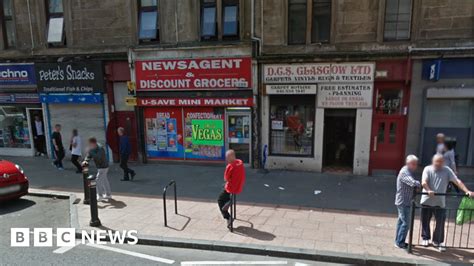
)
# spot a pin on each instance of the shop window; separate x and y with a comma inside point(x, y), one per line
point(14, 132)
point(148, 30)
point(230, 19)
point(297, 21)
point(321, 21)
point(292, 125)
point(55, 17)
point(448, 113)
point(389, 101)
point(8, 25)
point(208, 20)
point(397, 20)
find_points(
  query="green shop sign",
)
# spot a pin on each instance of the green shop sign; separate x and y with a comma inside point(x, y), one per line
point(208, 132)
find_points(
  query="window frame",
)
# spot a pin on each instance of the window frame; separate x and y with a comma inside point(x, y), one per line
point(307, 100)
point(308, 26)
point(4, 20)
point(203, 6)
point(410, 23)
point(312, 23)
point(304, 27)
point(230, 3)
point(51, 15)
point(141, 9)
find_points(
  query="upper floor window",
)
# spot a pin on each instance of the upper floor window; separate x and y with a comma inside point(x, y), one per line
point(208, 19)
point(148, 21)
point(297, 21)
point(321, 21)
point(397, 20)
point(230, 18)
point(8, 25)
point(55, 16)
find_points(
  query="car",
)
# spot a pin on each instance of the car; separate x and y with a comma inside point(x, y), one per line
point(13, 181)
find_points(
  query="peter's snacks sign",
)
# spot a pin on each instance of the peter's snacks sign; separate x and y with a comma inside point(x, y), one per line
point(208, 132)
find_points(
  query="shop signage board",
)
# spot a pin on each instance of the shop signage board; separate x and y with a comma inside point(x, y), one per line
point(74, 77)
point(318, 73)
point(72, 98)
point(291, 89)
point(19, 98)
point(17, 74)
point(212, 102)
point(208, 132)
point(345, 95)
point(194, 74)
point(130, 101)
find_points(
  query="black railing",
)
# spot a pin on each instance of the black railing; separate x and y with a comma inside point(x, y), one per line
point(233, 211)
point(455, 235)
point(172, 183)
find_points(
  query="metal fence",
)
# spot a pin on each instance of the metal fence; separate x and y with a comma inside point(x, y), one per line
point(456, 235)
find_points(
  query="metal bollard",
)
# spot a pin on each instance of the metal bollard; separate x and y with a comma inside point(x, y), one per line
point(85, 175)
point(95, 222)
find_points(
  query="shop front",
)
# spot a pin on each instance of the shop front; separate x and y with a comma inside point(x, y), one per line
point(195, 109)
point(19, 105)
point(73, 96)
point(316, 117)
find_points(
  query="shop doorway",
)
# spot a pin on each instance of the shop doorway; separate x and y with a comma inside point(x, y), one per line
point(339, 137)
point(38, 139)
point(239, 133)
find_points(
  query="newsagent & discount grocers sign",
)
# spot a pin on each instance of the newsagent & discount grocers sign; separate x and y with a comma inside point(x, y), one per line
point(339, 85)
point(194, 74)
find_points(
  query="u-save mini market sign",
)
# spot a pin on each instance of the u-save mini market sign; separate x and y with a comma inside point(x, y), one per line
point(341, 85)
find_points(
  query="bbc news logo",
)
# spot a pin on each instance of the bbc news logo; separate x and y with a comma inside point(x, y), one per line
point(66, 237)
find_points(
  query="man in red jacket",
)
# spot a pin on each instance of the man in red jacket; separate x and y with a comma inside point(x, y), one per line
point(234, 177)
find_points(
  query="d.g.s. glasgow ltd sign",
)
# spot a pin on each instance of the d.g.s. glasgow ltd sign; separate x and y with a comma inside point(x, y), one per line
point(74, 77)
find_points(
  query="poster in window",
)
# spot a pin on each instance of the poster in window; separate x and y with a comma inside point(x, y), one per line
point(164, 133)
point(204, 134)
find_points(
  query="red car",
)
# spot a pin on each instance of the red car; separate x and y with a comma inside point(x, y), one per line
point(13, 182)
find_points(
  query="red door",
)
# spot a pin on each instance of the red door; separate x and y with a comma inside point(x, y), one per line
point(128, 121)
point(389, 126)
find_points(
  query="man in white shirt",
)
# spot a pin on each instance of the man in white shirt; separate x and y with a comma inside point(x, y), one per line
point(76, 150)
point(38, 136)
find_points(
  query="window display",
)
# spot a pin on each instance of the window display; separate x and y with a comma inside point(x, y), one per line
point(14, 132)
point(292, 125)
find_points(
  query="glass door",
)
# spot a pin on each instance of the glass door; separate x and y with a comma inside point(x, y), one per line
point(239, 134)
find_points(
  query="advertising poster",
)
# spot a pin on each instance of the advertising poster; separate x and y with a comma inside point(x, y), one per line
point(204, 134)
point(164, 133)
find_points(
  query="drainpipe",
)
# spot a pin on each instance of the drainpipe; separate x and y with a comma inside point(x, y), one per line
point(252, 26)
point(31, 26)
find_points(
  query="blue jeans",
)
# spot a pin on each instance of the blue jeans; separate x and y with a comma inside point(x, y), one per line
point(402, 224)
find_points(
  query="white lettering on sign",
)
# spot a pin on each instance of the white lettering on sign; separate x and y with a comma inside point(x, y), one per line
point(193, 64)
point(69, 73)
point(318, 73)
point(291, 89)
point(345, 95)
point(13, 73)
point(195, 102)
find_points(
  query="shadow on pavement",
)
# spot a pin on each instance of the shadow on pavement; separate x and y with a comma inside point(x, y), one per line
point(188, 220)
point(254, 233)
point(113, 204)
point(451, 254)
point(15, 205)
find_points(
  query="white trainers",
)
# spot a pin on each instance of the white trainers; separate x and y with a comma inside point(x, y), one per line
point(442, 247)
point(425, 243)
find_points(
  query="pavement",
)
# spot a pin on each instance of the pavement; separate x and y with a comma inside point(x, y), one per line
point(311, 213)
point(39, 212)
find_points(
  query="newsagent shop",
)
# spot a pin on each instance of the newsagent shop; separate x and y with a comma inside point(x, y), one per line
point(195, 108)
point(19, 105)
point(318, 116)
point(72, 94)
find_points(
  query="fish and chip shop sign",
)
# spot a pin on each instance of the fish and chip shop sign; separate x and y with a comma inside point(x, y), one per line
point(74, 77)
point(340, 85)
point(194, 74)
point(17, 75)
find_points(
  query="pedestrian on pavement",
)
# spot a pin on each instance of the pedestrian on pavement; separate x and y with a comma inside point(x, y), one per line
point(58, 147)
point(96, 152)
point(435, 179)
point(38, 136)
point(450, 156)
point(440, 143)
point(234, 177)
point(125, 150)
point(406, 184)
point(75, 147)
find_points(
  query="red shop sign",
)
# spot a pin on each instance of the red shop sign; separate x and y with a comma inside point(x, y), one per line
point(194, 74)
point(214, 102)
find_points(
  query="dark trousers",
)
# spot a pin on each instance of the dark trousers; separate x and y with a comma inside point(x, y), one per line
point(75, 161)
point(224, 203)
point(39, 144)
point(440, 216)
point(124, 165)
point(59, 158)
